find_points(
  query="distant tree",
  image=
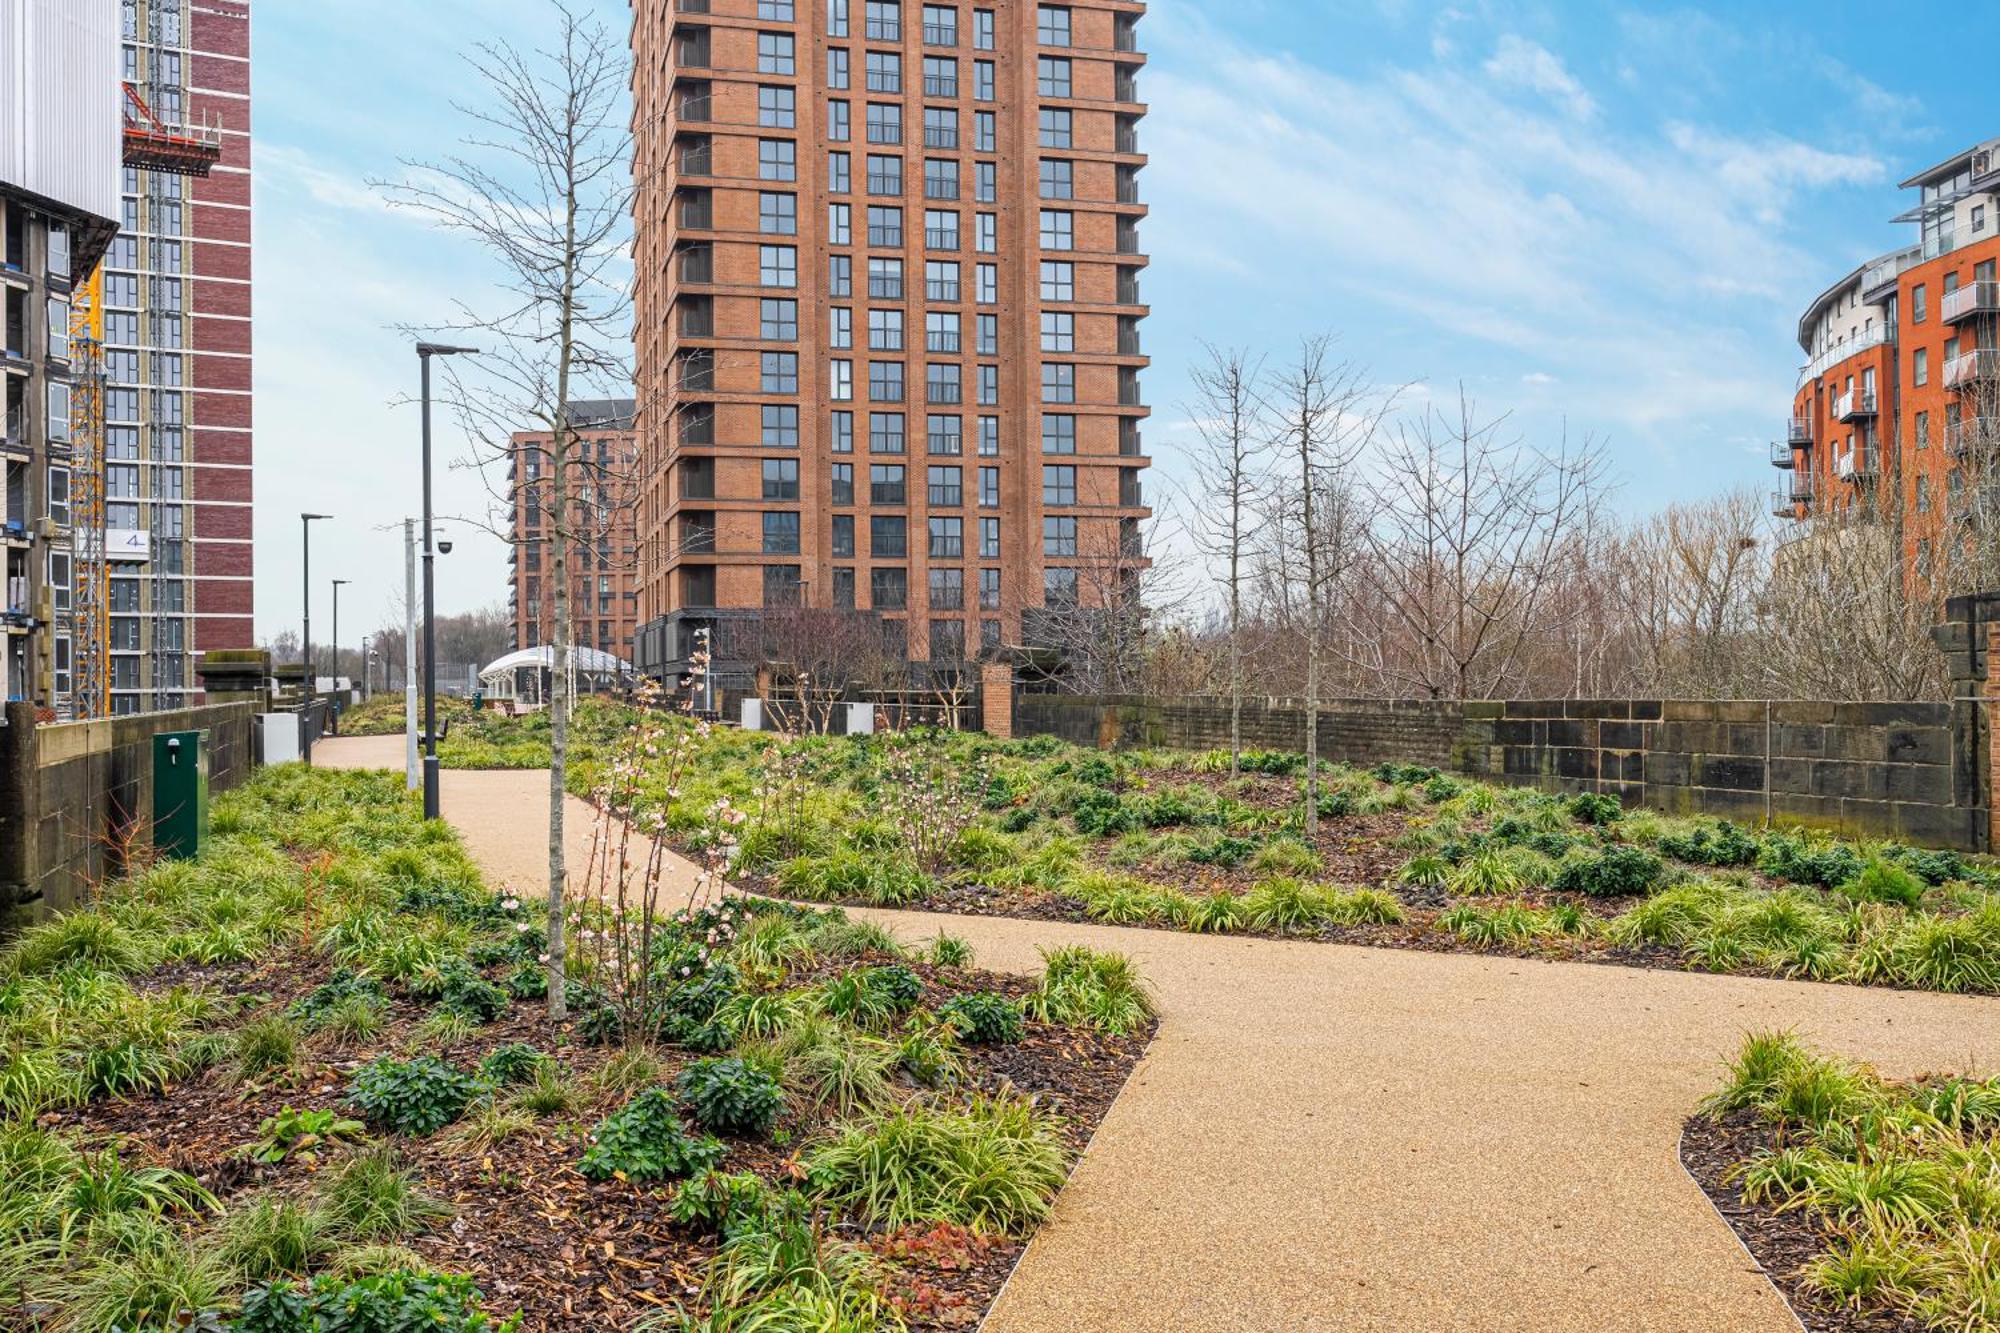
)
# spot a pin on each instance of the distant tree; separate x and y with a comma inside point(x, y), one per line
point(1229, 414)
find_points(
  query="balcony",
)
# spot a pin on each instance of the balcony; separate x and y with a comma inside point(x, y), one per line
point(1974, 435)
point(1782, 455)
point(1884, 274)
point(1785, 503)
point(1856, 465)
point(1981, 298)
point(1853, 404)
point(1970, 368)
point(1840, 351)
point(1799, 433)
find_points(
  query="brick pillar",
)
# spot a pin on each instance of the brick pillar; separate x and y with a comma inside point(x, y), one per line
point(996, 698)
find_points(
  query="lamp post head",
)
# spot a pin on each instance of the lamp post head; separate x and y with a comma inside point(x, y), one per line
point(310, 517)
point(444, 349)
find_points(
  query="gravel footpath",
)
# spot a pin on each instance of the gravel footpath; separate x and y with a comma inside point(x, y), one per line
point(1327, 1137)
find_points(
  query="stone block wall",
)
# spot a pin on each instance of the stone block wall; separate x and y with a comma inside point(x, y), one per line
point(70, 793)
point(1881, 770)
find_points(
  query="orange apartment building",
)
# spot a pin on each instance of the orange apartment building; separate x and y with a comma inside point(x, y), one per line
point(887, 317)
point(603, 554)
point(1903, 382)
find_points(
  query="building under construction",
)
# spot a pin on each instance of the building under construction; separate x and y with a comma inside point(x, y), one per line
point(60, 147)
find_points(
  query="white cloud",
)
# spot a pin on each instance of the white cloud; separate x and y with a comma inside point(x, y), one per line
point(1538, 378)
point(1520, 63)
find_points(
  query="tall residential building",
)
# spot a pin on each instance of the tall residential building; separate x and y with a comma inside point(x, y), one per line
point(177, 402)
point(59, 155)
point(887, 317)
point(603, 545)
point(1903, 383)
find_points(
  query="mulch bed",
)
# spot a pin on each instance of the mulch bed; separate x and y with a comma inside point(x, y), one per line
point(535, 1234)
point(1781, 1242)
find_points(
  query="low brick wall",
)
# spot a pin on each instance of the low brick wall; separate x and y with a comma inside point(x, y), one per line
point(1885, 770)
point(70, 791)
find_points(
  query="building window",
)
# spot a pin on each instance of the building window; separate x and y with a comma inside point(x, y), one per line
point(940, 76)
point(781, 426)
point(940, 229)
point(775, 53)
point(1057, 127)
point(986, 238)
point(1059, 587)
point(843, 433)
point(1058, 484)
point(946, 435)
point(884, 21)
point(989, 437)
point(1923, 494)
point(1058, 434)
point(989, 488)
point(1058, 280)
point(982, 29)
point(1919, 303)
point(885, 174)
point(885, 226)
point(989, 548)
point(840, 327)
point(885, 72)
point(888, 537)
point(941, 280)
point(778, 214)
point(940, 179)
point(781, 479)
point(58, 418)
point(781, 585)
point(839, 224)
point(1058, 331)
point(945, 488)
point(940, 127)
point(1920, 366)
point(777, 108)
point(842, 379)
point(780, 372)
point(886, 484)
point(842, 491)
point(885, 330)
point(947, 538)
point(885, 381)
point(885, 432)
point(1978, 219)
point(1923, 430)
point(888, 589)
point(838, 128)
point(779, 319)
point(781, 533)
point(1058, 382)
point(843, 536)
point(982, 81)
point(1058, 178)
point(885, 122)
point(779, 11)
point(989, 386)
point(885, 279)
point(1052, 78)
point(942, 384)
point(777, 160)
point(1059, 536)
point(778, 266)
point(985, 133)
point(839, 173)
point(836, 18)
point(1052, 25)
point(839, 276)
point(940, 25)
point(836, 68)
point(59, 495)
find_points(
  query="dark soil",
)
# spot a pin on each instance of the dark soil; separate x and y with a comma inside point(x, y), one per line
point(1781, 1243)
point(534, 1234)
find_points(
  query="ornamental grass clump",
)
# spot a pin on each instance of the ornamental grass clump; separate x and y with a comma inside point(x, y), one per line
point(993, 1166)
point(1080, 987)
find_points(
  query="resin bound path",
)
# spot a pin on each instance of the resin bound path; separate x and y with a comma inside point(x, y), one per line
point(1326, 1137)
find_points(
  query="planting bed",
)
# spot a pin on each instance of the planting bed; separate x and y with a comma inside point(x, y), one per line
point(314, 1062)
point(1402, 857)
point(1871, 1205)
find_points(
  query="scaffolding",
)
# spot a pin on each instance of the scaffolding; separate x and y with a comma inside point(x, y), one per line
point(89, 628)
point(179, 149)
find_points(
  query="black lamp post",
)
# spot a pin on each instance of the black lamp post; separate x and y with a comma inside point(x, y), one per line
point(425, 351)
point(306, 645)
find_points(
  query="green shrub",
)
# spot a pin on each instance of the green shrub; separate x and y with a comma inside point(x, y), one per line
point(1104, 814)
point(1081, 987)
point(1282, 903)
point(302, 1134)
point(1616, 872)
point(1932, 867)
point(344, 991)
point(984, 1018)
point(720, 1203)
point(1223, 850)
point(1720, 844)
point(1883, 881)
point(1595, 808)
point(950, 951)
point(854, 876)
point(896, 984)
point(1285, 856)
point(994, 1166)
point(644, 1141)
point(386, 1303)
point(417, 1097)
point(979, 849)
point(472, 996)
point(516, 1062)
point(730, 1097)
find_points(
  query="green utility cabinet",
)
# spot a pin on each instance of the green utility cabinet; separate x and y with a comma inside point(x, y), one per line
point(180, 793)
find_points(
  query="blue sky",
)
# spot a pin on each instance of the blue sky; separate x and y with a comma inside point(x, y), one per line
point(1603, 219)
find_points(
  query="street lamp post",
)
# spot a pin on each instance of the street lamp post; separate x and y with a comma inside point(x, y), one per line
point(425, 351)
point(306, 644)
point(338, 584)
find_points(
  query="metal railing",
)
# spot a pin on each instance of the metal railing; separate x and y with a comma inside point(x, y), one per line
point(1839, 352)
point(1981, 298)
point(1799, 431)
point(1972, 435)
point(1782, 455)
point(1854, 403)
point(1972, 367)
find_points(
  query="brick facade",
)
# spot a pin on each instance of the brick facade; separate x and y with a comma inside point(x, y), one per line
point(602, 552)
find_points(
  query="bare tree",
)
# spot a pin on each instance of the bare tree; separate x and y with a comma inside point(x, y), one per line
point(1229, 414)
point(1325, 417)
point(1469, 535)
point(819, 658)
point(542, 186)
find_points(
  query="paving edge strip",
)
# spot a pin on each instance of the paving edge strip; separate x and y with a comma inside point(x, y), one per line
point(1680, 1160)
